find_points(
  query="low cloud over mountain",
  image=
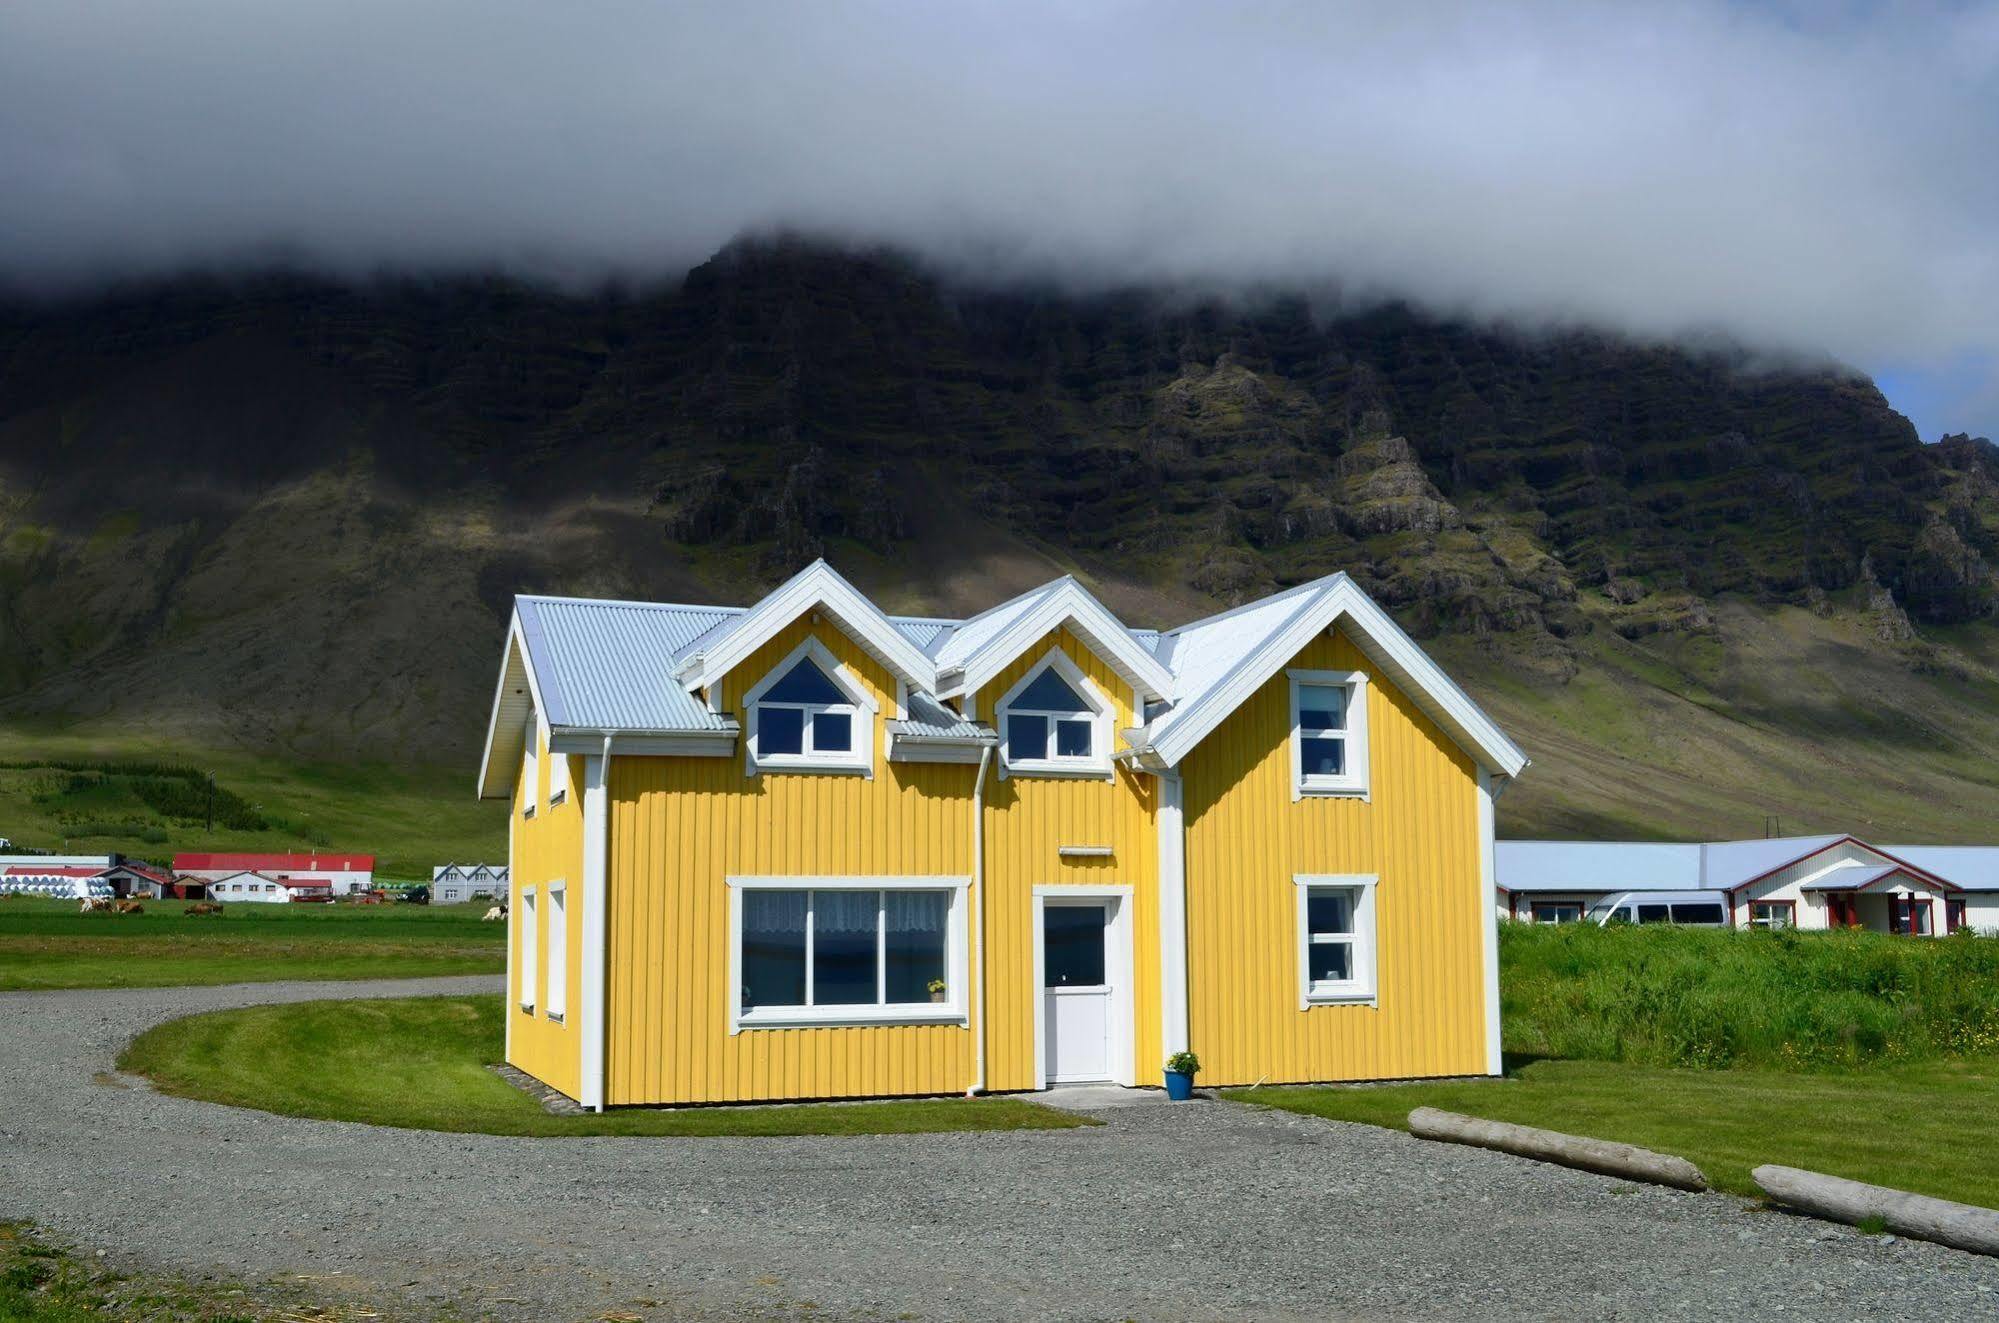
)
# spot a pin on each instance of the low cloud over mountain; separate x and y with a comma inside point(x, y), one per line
point(1787, 176)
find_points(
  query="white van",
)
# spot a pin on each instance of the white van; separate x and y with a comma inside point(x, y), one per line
point(1690, 909)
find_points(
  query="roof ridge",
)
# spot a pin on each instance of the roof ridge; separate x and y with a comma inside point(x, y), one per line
point(539, 598)
point(1323, 581)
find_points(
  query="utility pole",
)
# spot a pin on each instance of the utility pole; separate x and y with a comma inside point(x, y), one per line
point(211, 803)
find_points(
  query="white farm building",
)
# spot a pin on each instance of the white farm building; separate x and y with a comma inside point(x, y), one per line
point(1834, 881)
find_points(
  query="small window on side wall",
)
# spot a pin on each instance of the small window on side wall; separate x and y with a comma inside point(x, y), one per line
point(1329, 733)
point(1336, 939)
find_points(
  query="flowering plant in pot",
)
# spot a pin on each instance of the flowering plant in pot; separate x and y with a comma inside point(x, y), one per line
point(1181, 1068)
point(937, 988)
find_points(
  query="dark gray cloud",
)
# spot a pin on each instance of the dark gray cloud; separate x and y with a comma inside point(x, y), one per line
point(1794, 179)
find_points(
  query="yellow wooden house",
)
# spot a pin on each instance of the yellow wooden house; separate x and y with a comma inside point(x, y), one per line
point(806, 849)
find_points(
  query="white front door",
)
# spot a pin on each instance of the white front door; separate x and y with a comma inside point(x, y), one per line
point(1076, 991)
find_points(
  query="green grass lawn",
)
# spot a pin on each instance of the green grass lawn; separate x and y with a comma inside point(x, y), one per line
point(1931, 1127)
point(1858, 1054)
point(48, 944)
point(421, 1063)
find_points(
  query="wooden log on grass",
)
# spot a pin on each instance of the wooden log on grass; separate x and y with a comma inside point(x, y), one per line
point(1960, 1226)
point(1597, 1155)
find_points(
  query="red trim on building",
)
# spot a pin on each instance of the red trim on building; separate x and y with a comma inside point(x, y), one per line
point(258, 863)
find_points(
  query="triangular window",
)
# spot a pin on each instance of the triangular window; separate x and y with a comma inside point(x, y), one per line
point(804, 683)
point(1048, 692)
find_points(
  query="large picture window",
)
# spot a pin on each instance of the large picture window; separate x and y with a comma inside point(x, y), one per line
point(1328, 733)
point(1052, 722)
point(849, 952)
point(1336, 938)
point(809, 715)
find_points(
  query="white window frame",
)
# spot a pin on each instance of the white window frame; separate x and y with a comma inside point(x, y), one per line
point(531, 768)
point(558, 777)
point(1100, 715)
point(557, 1000)
point(860, 708)
point(956, 964)
point(1363, 987)
point(1354, 782)
point(529, 936)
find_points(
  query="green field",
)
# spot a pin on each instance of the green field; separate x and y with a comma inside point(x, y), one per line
point(90, 795)
point(48, 944)
point(1932, 1127)
point(1863, 1055)
point(421, 1063)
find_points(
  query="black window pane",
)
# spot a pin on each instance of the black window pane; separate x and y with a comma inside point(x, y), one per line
point(1329, 912)
point(1072, 939)
point(1322, 709)
point(1049, 693)
point(1332, 962)
point(1653, 913)
point(1697, 914)
point(832, 732)
point(780, 730)
point(804, 683)
point(773, 948)
point(1072, 739)
point(915, 939)
point(1026, 737)
point(844, 926)
point(1322, 757)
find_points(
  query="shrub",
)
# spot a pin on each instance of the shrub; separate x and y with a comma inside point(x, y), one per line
point(1713, 998)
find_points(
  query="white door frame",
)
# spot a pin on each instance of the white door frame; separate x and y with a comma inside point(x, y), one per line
point(1118, 968)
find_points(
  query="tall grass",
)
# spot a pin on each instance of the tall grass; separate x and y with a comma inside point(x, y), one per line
point(1712, 998)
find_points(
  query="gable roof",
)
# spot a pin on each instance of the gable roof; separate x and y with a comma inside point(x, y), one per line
point(633, 667)
point(1224, 659)
point(721, 649)
point(971, 655)
point(1730, 864)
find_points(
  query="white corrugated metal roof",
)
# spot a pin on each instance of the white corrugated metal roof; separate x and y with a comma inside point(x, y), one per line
point(1731, 863)
point(1973, 867)
point(1527, 866)
point(618, 665)
point(605, 665)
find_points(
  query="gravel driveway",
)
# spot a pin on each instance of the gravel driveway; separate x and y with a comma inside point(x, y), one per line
point(1202, 1211)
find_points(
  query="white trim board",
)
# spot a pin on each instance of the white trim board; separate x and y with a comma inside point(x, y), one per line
point(817, 586)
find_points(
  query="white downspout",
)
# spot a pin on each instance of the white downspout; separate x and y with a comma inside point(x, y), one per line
point(596, 904)
point(979, 917)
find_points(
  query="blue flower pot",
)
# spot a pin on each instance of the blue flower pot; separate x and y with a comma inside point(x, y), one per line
point(1179, 1085)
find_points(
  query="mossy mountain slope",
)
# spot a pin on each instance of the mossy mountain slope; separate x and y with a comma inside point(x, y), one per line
point(283, 515)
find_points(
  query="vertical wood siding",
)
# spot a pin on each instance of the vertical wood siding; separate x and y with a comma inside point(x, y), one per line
point(549, 848)
point(681, 826)
point(1028, 820)
point(1246, 838)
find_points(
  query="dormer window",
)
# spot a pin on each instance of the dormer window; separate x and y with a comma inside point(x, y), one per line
point(1055, 723)
point(809, 714)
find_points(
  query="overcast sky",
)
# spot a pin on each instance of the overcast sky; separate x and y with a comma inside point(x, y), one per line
point(1808, 176)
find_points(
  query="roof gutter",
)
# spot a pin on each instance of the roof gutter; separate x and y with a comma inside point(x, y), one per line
point(978, 1000)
